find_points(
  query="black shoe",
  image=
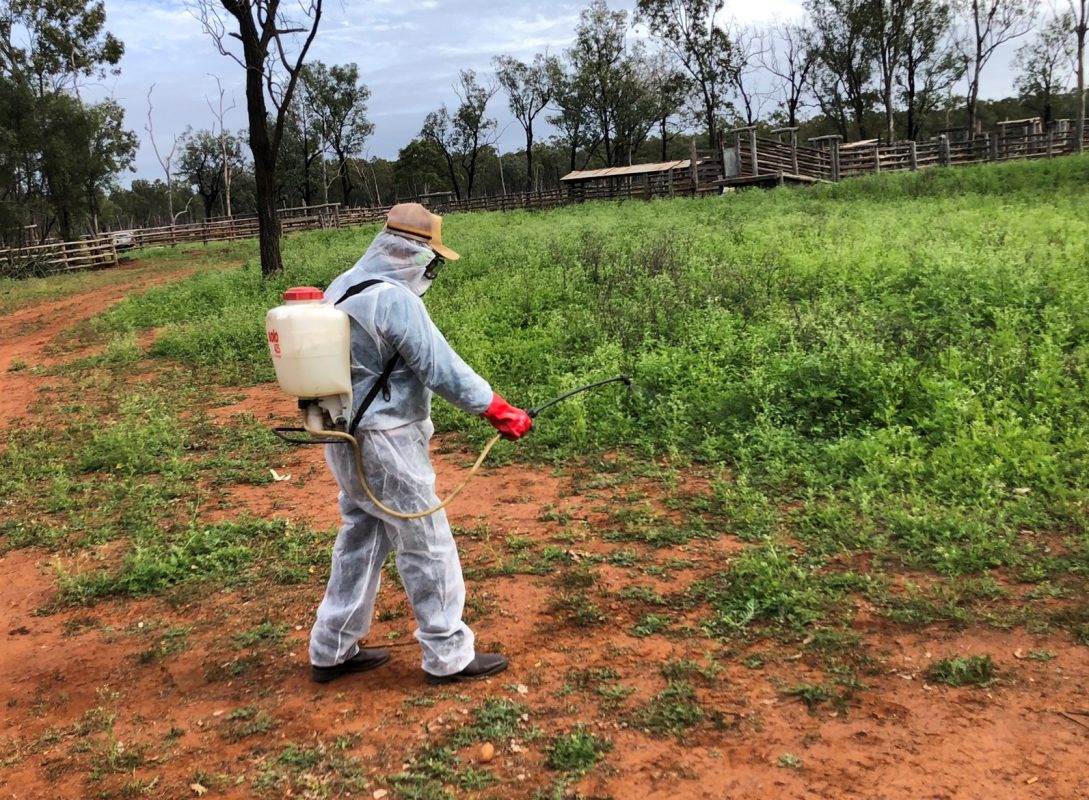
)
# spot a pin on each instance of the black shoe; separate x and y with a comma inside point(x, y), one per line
point(362, 661)
point(483, 666)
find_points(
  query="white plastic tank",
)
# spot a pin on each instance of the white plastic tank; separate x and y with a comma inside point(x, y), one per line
point(310, 344)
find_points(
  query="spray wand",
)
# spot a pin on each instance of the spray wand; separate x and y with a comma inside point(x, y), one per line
point(314, 426)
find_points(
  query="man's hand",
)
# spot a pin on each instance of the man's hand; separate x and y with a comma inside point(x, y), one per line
point(511, 422)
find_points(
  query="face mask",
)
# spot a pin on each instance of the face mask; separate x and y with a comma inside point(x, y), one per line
point(431, 271)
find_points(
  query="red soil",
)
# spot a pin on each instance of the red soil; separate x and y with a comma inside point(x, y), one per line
point(899, 738)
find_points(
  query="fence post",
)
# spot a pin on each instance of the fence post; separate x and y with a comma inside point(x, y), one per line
point(752, 144)
point(943, 149)
point(913, 155)
point(794, 150)
point(877, 157)
point(835, 159)
point(694, 166)
point(992, 145)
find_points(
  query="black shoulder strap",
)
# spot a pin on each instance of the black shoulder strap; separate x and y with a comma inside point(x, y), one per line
point(380, 385)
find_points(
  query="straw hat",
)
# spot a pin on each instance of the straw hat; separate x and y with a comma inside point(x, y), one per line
point(414, 221)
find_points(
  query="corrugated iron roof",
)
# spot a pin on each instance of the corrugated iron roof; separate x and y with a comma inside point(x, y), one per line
point(634, 169)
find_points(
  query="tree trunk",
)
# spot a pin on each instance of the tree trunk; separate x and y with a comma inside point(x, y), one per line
point(973, 96)
point(264, 163)
point(1079, 125)
point(345, 181)
point(529, 158)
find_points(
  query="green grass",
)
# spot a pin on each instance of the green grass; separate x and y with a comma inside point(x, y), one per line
point(962, 671)
point(576, 752)
point(672, 711)
point(887, 374)
point(912, 351)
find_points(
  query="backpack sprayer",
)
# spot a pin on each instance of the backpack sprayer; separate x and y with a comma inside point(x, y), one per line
point(310, 343)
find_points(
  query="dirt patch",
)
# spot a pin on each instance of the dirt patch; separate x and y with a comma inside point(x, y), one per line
point(26, 334)
point(209, 689)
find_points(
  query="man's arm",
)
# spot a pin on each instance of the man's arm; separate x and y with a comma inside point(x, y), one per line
point(407, 326)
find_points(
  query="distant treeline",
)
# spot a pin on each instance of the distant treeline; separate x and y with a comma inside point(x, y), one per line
point(888, 69)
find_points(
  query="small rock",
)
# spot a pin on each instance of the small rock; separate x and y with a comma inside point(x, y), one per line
point(487, 752)
point(379, 794)
point(521, 689)
point(198, 790)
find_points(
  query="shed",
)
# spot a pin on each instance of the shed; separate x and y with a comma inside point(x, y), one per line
point(641, 180)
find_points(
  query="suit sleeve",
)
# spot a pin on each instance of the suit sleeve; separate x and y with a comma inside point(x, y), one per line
point(407, 326)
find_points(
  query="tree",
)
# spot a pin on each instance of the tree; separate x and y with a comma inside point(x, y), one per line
point(890, 37)
point(597, 56)
point(419, 168)
point(165, 157)
point(461, 136)
point(931, 61)
point(1079, 14)
point(571, 92)
point(748, 51)
point(638, 104)
point(64, 41)
point(53, 146)
point(1044, 64)
point(199, 162)
point(229, 153)
point(991, 23)
point(689, 30)
point(670, 88)
point(84, 147)
point(110, 148)
point(790, 61)
point(339, 101)
point(529, 91)
point(844, 50)
point(272, 75)
point(302, 148)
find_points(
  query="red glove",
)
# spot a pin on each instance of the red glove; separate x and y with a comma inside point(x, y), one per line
point(513, 423)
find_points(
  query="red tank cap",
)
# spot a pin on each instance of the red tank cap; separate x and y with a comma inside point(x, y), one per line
point(303, 293)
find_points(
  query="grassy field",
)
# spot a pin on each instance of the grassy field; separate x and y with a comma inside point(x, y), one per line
point(853, 402)
point(907, 355)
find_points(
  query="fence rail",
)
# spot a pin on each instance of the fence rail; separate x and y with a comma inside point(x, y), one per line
point(229, 230)
point(829, 159)
point(51, 259)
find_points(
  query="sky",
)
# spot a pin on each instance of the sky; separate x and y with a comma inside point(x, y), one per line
point(408, 51)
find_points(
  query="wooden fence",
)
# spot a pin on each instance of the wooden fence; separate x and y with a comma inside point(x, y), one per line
point(827, 158)
point(50, 259)
point(228, 230)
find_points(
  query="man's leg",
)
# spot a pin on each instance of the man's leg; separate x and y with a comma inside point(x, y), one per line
point(345, 614)
point(427, 561)
point(399, 468)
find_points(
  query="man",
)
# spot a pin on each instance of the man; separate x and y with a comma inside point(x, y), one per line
point(381, 295)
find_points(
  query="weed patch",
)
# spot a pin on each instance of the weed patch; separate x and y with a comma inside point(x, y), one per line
point(962, 671)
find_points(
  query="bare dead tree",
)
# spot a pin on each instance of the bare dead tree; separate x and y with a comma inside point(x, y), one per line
point(165, 161)
point(220, 112)
point(266, 35)
point(990, 23)
point(789, 59)
point(749, 51)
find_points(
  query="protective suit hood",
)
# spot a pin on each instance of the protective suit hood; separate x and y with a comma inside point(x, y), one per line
point(391, 258)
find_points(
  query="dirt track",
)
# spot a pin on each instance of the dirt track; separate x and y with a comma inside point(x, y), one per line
point(900, 738)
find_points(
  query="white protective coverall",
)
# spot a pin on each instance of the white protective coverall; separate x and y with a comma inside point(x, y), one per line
point(390, 318)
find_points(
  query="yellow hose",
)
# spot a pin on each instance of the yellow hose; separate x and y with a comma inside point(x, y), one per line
point(316, 430)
